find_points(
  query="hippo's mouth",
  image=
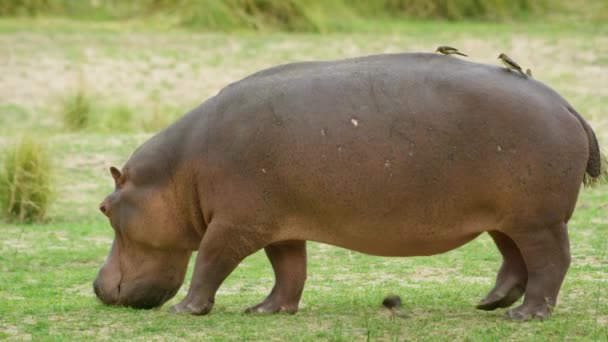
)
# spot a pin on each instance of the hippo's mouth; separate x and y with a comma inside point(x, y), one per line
point(135, 295)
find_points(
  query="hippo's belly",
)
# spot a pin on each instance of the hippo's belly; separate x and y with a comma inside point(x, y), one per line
point(409, 237)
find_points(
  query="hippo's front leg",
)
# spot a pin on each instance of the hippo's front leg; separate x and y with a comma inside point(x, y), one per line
point(223, 247)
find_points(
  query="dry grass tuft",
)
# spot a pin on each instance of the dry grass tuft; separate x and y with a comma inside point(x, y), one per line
point(25, 181)
point(77, 109)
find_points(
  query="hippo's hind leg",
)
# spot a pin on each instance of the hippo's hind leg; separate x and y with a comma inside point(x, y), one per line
point(512, 276)
point(288, 259)
point(546, 252)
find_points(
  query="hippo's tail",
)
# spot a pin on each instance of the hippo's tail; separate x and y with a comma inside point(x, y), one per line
point(597, 166)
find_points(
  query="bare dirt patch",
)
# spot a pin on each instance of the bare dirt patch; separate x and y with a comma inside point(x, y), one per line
point(14, 332)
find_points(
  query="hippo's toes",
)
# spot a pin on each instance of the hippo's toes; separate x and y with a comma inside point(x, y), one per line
point(523, 314)
point(188, 308)
point(497, 299)
point(269, 307)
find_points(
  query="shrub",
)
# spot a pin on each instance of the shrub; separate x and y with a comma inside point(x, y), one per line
point(286, 15)
point(23, 7)
point(76, 109)
point(25, 181)
point(465, 9)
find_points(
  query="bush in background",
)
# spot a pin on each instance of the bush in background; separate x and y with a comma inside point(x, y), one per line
point(301, 15)
point(76, 109)
point(287, 15)
point(25, 181)
point(81, 110)
point(458, 9)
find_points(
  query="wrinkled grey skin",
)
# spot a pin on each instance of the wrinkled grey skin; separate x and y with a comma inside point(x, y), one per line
point(392, 155)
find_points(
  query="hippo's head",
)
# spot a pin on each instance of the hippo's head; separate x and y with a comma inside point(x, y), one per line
point(152, 246)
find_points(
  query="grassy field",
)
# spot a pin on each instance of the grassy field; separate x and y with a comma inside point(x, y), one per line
point(137, 79)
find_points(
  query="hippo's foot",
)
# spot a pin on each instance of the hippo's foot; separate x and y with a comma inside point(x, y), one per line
point(500, 298)
point(512, 276)
point(270, 306)
point(525, 312)
point(192, 307)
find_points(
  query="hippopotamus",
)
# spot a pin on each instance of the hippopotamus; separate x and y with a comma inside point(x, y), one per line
point(392, 155)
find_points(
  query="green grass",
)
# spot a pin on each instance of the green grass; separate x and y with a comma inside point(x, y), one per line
point(116, 118)
point(47, 272)
point(143, 78)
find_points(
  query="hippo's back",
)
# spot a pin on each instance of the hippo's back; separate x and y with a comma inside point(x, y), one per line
point(394, 142)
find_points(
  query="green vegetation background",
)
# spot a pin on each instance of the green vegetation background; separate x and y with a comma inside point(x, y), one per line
point(303, 15)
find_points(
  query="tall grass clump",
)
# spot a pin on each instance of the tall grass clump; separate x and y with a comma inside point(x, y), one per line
point(24, 7)
point(82, 9)
point(77, 109)
point(25, 181)
point(458, 9)
point(284, 15)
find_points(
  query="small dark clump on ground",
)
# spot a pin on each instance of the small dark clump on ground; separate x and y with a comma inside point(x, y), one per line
point(392, 302)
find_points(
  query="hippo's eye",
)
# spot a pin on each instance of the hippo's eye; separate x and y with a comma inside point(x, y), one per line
point(127, 207)
point(116, 211)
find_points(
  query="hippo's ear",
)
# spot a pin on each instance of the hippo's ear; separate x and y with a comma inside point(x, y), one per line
point(116, 174)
